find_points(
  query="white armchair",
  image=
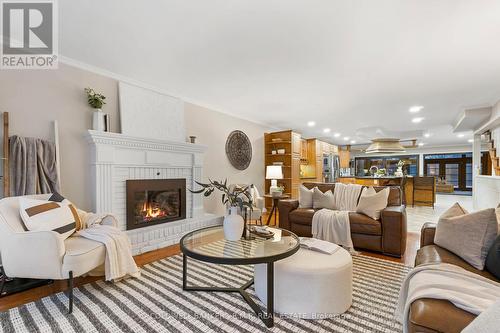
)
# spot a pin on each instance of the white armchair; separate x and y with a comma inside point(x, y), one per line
point(257, 201)
point(42, 254)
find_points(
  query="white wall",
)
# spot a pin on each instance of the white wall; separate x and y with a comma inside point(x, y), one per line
point(34, 98)
point(487, 192)
point(487, 188)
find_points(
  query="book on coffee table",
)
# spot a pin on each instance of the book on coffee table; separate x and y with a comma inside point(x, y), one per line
point(318, 245)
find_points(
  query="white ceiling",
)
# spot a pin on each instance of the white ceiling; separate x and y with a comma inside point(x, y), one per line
point(346, 64)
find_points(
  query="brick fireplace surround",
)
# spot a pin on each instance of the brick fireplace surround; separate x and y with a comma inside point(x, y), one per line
point(116, 158)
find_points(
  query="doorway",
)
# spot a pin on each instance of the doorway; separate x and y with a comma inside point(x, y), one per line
point(455, 169)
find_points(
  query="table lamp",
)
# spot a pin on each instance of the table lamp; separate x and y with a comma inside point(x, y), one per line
point(274, 173)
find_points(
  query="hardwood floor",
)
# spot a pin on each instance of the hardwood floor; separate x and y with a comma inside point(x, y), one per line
point(18, 299)
point(408, 259)
point(14, 300)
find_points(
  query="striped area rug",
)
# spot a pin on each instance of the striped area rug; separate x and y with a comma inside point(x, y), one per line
point(156, 303)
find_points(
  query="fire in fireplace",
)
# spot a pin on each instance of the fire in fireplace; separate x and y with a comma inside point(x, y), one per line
point(155, 201)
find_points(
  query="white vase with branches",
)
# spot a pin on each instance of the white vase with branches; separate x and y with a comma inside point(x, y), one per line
point(234, 225)
point(96, 102)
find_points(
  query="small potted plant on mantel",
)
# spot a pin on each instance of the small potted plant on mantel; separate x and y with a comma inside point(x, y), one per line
point(234, 225)
point(96, 101)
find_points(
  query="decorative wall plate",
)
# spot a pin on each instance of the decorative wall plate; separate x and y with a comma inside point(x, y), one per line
point(239, 150)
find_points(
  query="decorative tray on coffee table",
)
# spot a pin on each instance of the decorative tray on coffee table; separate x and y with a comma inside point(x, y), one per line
point(262, 232)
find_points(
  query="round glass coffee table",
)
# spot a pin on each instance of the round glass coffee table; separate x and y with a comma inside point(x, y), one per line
point(209, 245)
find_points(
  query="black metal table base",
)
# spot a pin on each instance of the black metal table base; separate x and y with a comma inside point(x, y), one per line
point(266, 316)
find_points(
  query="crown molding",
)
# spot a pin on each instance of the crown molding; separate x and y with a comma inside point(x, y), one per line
point(118, 77)
point(118, 139)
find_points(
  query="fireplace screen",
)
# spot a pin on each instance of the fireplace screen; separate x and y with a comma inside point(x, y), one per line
point(152, 202)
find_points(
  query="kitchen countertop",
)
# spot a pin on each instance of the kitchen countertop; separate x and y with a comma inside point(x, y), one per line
point(372, 177)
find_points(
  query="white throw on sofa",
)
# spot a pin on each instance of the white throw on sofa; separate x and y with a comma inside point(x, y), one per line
point(42, 254)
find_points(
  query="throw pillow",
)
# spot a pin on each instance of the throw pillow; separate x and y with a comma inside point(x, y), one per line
point(455, 210)
point(305, 197)
point(42, 215)
point(322, 200)
point(468, 235)
point(371, 202)
point(56, 197)
point(492, 263)
point(59, 198)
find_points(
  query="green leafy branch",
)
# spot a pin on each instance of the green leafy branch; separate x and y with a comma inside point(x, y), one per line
point(237, 197)
point(95, 100)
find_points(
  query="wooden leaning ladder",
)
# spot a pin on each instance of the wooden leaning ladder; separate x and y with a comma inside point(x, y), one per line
point(6, 171)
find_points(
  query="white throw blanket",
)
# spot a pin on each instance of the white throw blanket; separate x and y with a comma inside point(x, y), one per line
point(333, 225)
point(487, 322)
point(345, 196)
point(119, 261)
point(466, 290)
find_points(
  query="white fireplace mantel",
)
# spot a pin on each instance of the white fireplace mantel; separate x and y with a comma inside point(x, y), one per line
point(115, 158)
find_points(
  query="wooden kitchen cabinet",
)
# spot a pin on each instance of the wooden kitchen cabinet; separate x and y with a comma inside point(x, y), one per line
point(345, 157)
point(319, 170)
point(296, 140)
point(303, 149)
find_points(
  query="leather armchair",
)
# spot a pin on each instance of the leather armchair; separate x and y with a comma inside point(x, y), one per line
point(285, 207)
point(393, 220)
point(42, 254)
point(438, 315)
point(427, 234)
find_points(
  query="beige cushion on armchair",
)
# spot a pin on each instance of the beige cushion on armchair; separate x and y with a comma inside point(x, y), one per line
point(42, 254)
point(468, 235)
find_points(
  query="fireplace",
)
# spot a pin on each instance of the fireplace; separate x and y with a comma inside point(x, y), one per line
point(155, 201)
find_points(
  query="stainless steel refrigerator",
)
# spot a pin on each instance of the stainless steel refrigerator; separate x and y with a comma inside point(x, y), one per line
point(331, 168)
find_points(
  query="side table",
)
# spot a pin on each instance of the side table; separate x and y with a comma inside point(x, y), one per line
point(274, 209)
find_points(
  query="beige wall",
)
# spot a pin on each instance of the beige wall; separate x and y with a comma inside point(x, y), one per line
point(35, 98)
point(211, 129)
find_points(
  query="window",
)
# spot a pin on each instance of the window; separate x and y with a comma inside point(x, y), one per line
point(432, 169)
point(468, 175)
point(452, 174)
point(455, 168)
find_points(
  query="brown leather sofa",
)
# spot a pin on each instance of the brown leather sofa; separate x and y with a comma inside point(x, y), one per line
point(435, 315)
point(388, 235)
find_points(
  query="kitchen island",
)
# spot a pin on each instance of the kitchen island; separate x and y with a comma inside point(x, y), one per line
point(394, 181)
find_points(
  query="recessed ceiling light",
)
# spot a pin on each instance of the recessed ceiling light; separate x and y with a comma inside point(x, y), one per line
point(427, 135)
point(415, 108)
point(461, 135)
point(417, 120)
point(470, 140)
point(353, 141)
point(421, 144)
point(346, 138)
point(311, 123)
point(326, 130)
point(336, 135)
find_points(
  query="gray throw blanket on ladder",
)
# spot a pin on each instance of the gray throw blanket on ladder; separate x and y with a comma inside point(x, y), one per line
point(33, 167)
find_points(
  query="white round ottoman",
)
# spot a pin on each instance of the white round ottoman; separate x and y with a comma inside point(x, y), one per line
point(309, 284)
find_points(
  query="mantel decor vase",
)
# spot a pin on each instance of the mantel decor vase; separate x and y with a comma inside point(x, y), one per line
point(98, 120)
point(233, 225)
